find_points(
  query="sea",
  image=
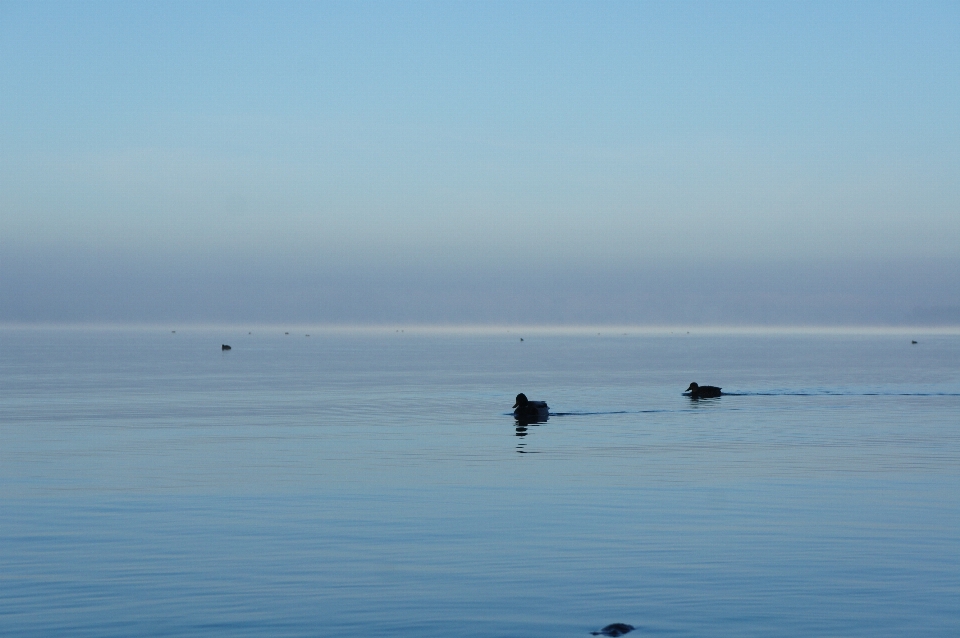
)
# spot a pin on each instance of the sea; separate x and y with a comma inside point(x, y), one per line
point(357, 481)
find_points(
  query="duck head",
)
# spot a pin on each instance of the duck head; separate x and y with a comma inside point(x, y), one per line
point(521, 400)
point(693, 388)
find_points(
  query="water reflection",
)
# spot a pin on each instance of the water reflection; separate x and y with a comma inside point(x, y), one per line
point(522, 428)
point(703, 403)
point(532, 420)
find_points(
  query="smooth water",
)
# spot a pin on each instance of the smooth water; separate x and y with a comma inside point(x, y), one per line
point(376, 484)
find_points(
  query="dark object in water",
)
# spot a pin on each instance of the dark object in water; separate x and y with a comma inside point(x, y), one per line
point(224, 347)
point(703, 391)
point(530, 411)
point(616, 629)
point(914, 342)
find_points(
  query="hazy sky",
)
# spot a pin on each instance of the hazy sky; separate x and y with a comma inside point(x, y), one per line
point(499, 162)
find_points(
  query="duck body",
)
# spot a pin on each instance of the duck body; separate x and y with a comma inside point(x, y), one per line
point(702, 391)
point(530, 411)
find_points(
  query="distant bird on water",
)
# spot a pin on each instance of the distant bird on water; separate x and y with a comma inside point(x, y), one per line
point(224, 347)
point(526, 410)
point(702, 391)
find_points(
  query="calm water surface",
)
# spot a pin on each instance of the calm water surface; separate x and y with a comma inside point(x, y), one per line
point(376, 484)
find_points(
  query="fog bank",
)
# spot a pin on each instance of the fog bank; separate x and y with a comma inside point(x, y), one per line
point(98, 287)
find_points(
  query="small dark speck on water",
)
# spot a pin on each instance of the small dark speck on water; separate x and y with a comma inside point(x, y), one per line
point(224, 347)
point(286, 333)
point(914, 342)
point(521, 338)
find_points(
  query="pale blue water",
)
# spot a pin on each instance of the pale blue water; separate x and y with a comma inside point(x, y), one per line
point(376, 485)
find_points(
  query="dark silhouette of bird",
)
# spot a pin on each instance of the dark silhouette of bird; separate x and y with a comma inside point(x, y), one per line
point(224, 347)
point(703, 391)
point(532, 411)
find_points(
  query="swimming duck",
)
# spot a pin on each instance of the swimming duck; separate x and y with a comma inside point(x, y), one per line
point(526, 410)
point(703, 391)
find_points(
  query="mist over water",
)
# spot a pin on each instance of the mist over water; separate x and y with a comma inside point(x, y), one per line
point(748, 163)
point(105, 286)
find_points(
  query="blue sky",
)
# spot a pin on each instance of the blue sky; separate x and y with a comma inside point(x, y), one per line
point(495, 162)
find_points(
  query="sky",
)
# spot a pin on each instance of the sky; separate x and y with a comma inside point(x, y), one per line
point(714, 163)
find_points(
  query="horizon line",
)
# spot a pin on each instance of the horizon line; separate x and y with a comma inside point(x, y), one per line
point(499, 329)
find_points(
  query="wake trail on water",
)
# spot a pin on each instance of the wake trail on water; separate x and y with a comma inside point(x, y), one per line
point(553, 414)
point(597, 413)
point(785, 393)
point(832, 393)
